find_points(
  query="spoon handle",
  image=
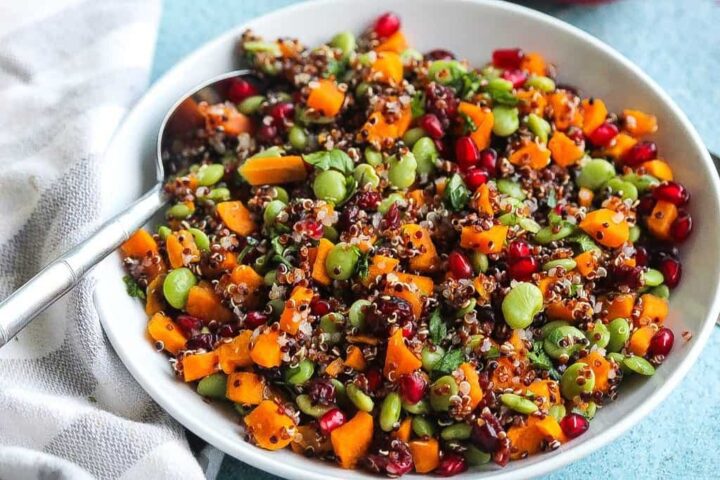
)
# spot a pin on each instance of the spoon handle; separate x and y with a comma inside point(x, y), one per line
point(63, 273)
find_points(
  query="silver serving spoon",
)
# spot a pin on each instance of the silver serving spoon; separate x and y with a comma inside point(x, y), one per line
point(63, 273)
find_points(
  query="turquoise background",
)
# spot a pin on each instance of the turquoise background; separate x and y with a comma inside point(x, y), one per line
point(677, 42)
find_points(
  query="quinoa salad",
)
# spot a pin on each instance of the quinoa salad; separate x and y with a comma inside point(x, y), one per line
point(399, 262)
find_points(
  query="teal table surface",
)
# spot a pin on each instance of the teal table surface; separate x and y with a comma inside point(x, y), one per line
point(678, 44)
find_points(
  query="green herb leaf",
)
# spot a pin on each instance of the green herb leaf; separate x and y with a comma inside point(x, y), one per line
point(363, 265)
point(584, 241)
point(502, 97)
point(449, 362)
point(132, 287)
point(335, 68)
point(493, 352)
point(538, 358)
point(469, 125)
point(335, 159)
point(438, 328)
point(470, 83)
point(417, 105)
point(456, 193)
point(555, 375)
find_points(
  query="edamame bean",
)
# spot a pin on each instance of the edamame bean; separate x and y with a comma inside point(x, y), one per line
point(476, 457)
point(373, 157)
point(479, 262)
point(468, 307)
point(634, 235)
point(219, 195)
point(564, 341)
point(617, 358)
point(390, 412)
point(539, 127)
point(388, 201)
point(440, 392)
point(653, 277)
point(340, 393)
point(359, 398)
point(529, 225)
point(430, 356)
point(642, 182)
point(209, 175)
point(521, 304)
point(279, 193)
point(177, 285)
point(330, 233)
point(595, 173)
point(276, 308)
point(458, 431)
point(164, 231)
point(213, 386)
point(256, 46)
point(179, 211)
point(579, 378)
point(550, 326)
point(639, 365)
point(599, 335)
point(661, 291)
point(272, 210)
point(365, 174)
point(587, 410)
point(425, 155)
point(201, 239)
point(619, 334)
point(410, 54)
point(330, 186)
point(499, 84)
point(297, 137)
point(567, 264)
point(552, 234)
point(626, 190)
point(513, 189)
point(301, 373)
point(345, 42)
point(506, 120)
point(420, 408)
point(422, 427)
point(401, 171)
point(251, 104)
point(356, 313)
point(518, 403)
point(544, 84)
point(361, 90)
point(329, 325)
point(307, 407)
point(412, 136)
point(557, 412)
point(446, 71)
point(341, 261)
point(270, 278)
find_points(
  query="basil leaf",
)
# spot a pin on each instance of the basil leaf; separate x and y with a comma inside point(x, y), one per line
point(335, 159)
point(456, 193)
point(538, 358)
point(449, 362)
point(437, 327)
point(132, 287)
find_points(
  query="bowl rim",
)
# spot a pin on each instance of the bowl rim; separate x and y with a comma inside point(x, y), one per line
point(262, 459)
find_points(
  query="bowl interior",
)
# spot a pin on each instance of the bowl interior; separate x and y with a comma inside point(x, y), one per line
point(471, 30)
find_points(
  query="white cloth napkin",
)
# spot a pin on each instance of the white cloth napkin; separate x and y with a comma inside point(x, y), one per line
point(69, 70)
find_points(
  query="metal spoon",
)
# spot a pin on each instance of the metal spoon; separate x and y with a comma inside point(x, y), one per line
point(65, 272)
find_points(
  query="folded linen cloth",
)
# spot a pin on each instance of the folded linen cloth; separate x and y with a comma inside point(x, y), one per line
point(69, 70)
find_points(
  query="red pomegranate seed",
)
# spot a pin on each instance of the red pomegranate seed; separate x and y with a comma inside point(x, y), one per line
point(641, 256)
point(281, 112)
point(408, 330)
point(228, 331)
point(517, 250)
point(386, 24)
point(412, 388)
point(573, 425)
point(254, 319)
point(374, 379)
point(459, 265)
point(331, 420)
point(241, 89)
point(672, 192)
point(267, 133)
point(671, 269)
point(432, 126)
point(451, 464)
point(646, 205)
point(639, 153)
point(681, 227)
point(475, 177)
point(439, 54)
point(466, 153)
point(603, 135)
point(189, 325)
point(509, 58)
point(488, 161)
point(319, 307)
point(662, 342)
point(516, 77)
point(523, 268)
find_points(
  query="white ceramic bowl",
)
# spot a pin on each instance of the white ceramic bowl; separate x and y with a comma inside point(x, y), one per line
point(472, 30)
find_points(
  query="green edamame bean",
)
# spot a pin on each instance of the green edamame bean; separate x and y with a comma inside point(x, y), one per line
point(177, 285)
point(422, 427)
point(529, 225)
point(420, 408)
point(468, 307)
point(330, 326)
point(567, 264)
point(359, 398)
point(476, 457)
point(213, 386)
point(599, 335)
point(279, 193)
point(619, 334)
point(617, 358)
point(272, 152)
point(412, 136)
point(272, 210)
point(539, 127)
point(270, 278)
point(446, 71)
point(256, 46)
point(521, 304)
point(564, 341)
point(365, 174)
point(219, 195)
point(330, 233)
point(390, 412)
point(550, 326)
point(587, 410)
point(341, 261)
point(626, 190)
point(491, 72)
point(164, 231)
point(373, 157)
point(201, 239)
point(579, 378)
point(276, 308)
point(518, 403)
point(513, 189)
point(479, 262)
point(595, 173)
point(410, 54)
point(401, 171)
point(251, 105)
point(558, 412)
point(499, 84)
point(307, 407)
point(361, 90)
point(552, 234)
point(458, 431)
point(356, 313)
point(425, 155)
point(642, 182)
point(388, 201)
point(653, 277)
point(179, 211)
point(340, 393)
point(544, 84)
point(345, 42)
point(297, 137)
point(430, 356)
point(209, 175)
point(639, 365)
point(440, 392)
point(506, 120)
point(509, 219)
point(301, 373)
point(635, 232)
point(330, 186)
point(661, 291)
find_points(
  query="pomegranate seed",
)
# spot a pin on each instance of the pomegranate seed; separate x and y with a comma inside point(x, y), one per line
point(641, 256)
point(439, 54)
point(466, 153)
point(639, 153)
point(368, 200)
point(281, 112)
point(475, 177)
point(320, 307)
point(518, 249)
point(451, 464)
point(201, 341)
point(485, 436)
point(408, 329)
point(189, 325)
point(322, 391)
point(522, 269)
point(374, 379)
point(488, 161)
point(646, 205)
point(662, 342)
point(331, 420)
point(459, 265)
point(672, 192)
point(241, 89)
point(228, 331)
point(386, 24)
point(432, 126)
point(391, 219)
point(516, 77)
point(509, 58)
point(603, 135)
point(267, 133)
point(412, 387)
point(573, 425)
point(671, 268)
point(254, 319)
point(681, 227)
